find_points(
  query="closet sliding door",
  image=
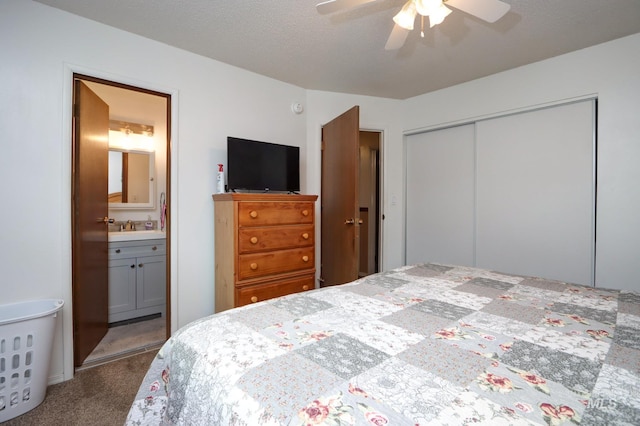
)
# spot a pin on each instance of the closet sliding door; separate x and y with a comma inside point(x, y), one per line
point(535, 193)
point(514, 193)
point(440, 196)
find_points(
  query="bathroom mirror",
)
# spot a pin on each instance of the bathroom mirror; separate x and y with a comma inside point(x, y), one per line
point(131, 178)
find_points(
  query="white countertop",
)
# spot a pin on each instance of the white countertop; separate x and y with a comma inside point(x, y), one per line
point(136, 235)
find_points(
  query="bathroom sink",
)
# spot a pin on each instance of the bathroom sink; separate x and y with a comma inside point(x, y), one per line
point(136, 235)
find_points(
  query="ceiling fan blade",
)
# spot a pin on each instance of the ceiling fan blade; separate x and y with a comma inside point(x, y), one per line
point(487, 10)
point(331, 6)
point(397, 38)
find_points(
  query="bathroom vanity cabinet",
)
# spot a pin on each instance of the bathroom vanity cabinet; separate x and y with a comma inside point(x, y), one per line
point(137, 279)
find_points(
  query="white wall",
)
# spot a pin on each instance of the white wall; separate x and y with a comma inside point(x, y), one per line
point(40, 48)
point(610, 71)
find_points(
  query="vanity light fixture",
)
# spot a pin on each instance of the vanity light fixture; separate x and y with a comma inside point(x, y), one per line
point(127, 128)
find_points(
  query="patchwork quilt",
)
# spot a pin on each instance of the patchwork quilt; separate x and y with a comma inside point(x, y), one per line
point(425, 344)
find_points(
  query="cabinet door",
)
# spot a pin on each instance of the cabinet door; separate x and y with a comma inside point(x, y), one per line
point(151, 279)
point(122, 286)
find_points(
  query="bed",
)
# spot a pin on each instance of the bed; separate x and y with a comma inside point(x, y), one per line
point(426, 344)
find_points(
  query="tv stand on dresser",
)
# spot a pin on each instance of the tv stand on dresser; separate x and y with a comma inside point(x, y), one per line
point(264, 246)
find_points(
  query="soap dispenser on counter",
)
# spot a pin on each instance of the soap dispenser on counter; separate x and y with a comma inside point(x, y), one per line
point(148, 225)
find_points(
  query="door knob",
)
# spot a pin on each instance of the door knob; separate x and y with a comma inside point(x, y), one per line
point(105, 219)
point(350, 221)
point(360, 221)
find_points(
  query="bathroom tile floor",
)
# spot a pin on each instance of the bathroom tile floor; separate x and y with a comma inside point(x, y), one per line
point(126, 340)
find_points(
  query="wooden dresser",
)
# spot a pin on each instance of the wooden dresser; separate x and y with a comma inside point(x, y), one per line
point(264, 246)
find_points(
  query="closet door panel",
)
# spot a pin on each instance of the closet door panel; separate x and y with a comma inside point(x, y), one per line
point(535, 193)
point(440, 196)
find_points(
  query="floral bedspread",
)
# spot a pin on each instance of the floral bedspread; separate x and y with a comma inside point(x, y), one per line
point(420, 345)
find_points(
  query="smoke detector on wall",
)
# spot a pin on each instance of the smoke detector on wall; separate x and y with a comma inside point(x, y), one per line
point(297, 107)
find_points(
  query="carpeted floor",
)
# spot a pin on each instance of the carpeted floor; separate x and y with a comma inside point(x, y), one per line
point(98, 396)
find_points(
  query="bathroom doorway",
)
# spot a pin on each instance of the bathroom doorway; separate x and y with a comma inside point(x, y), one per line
point(129, 149)
point(369, 202)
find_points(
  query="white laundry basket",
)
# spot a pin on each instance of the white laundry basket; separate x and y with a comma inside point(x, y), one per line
point(26, 339)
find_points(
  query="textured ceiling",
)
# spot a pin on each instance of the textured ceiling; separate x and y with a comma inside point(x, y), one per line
point(344, 52)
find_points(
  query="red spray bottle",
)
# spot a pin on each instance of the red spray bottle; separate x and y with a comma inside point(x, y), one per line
point(220, 180)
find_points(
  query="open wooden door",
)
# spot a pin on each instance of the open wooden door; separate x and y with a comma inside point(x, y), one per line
point(340, 245)
point(90, 211)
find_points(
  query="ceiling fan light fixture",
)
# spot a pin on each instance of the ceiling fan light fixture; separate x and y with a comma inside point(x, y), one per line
point(486, 10)
point(407, 16)
point(427, 7)
point(438, 16)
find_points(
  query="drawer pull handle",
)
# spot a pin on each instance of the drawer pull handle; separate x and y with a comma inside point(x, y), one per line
point(133, 266)
point(117, 250)
point(305, 258)
point(154, 248)
point(305, 212)
point(254, 299)
point(254, 240)
point(305, 287)
point(140, 265)
point(253, 266)
point(305, 236)
point(253, 214)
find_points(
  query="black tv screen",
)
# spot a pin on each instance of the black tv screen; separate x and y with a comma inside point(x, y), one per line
point(262, 166)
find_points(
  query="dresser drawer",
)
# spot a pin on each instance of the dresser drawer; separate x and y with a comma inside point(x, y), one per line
point(275, 262)
point(258, 293)
point(124, 249)
point(274, 213)
point(274, 238)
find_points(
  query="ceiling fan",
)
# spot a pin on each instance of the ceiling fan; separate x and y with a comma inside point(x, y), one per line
point(435, 10)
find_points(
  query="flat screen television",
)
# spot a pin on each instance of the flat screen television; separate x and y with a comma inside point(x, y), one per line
point(262, 166)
